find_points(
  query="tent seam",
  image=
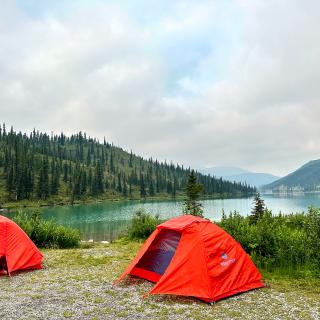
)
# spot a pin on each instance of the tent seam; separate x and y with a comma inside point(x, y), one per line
point(206, 262)
point(6, 246)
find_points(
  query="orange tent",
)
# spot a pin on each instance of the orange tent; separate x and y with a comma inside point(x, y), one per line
point(191, 256)
point(17, 251)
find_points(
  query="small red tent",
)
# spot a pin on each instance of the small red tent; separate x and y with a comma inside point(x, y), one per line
point(17, 251)
point(191, 256)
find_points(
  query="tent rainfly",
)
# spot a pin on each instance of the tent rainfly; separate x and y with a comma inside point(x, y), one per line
point(191, 256)
point(17, 251)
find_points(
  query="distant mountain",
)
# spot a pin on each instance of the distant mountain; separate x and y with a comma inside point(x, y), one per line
point(241, 175)
point(306, 178)
point(253, 179)
point(223, 171)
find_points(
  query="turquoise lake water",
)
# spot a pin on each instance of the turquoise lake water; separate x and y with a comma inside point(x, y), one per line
point(106, 220)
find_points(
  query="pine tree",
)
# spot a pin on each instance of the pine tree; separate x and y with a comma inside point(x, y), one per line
point(88, 161)
point(151, 189)
point(124, 188)
point(10, 181)
point(143, 192)
point(55, 175)
point(130, 189)
point(65, 172)
point(112, 167)
point(130, 159)
point(119, 186)
point(83, 182)
point(258, 209)
point(98, 180)
point(192, 205)
point(174, 189)
point(43, 182)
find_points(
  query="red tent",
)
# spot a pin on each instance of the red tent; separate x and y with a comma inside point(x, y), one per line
point(17, 251)
point(191, 256)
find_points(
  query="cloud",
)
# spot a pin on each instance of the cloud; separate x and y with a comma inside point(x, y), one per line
point(197, 82)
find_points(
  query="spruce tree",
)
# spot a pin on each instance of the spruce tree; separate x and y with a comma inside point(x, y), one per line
point(119, 186)
point(174, 189)
point(43, 182)
point(124, 188)
point(192, 205)
point(130, 159)
point(258, 209)
point(55, 175)
point(10, 181)
point(151, 188)
point(98, 179)
point(83, 182)
point(143, 192)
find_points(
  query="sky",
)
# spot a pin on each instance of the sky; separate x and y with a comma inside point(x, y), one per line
point(200, 83)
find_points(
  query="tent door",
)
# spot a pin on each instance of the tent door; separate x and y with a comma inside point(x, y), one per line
point(3, 265)
point(160, 253)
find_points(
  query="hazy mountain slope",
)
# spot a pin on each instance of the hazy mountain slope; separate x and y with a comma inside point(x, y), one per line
point(253, 179)
point(306, 177)
point(223, 171)
point(241, 175)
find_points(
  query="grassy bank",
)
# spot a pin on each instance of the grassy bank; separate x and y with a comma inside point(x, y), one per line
point(78, 284)
point(66, 201)
point(47, 233)
point(60, 201)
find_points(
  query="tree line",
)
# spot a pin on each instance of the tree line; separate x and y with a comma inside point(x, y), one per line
point(40, 166)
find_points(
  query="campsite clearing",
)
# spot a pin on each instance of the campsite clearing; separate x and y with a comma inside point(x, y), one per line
point(78, 284)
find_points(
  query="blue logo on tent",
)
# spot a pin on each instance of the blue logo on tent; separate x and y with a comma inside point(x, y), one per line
point(224, 256)
point(226, 261)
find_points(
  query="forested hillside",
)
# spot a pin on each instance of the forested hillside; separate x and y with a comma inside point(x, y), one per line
point(39, 166)
point(305, 178)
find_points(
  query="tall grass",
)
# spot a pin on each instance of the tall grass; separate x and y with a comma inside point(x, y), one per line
point(288, 244)
point(143, 224)
point(47, 233)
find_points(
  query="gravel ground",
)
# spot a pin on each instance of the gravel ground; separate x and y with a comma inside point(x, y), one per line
point(78, 284)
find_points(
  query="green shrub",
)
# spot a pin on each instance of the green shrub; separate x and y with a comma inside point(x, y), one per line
point(47, 233)
point(143, 224)
point(286, 243)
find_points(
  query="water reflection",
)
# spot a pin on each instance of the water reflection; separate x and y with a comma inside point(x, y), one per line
point(104, 230)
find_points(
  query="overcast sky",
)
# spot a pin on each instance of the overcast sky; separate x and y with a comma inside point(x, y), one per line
point(202, 83)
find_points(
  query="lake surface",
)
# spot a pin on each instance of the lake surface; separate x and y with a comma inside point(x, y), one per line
point(107, 220)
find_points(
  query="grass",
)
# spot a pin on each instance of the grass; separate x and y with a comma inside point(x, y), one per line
point(78, 284)
point(143, 224)
point(47, 233)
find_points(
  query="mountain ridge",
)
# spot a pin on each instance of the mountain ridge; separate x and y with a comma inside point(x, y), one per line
point(238, 174)
point(305, 178)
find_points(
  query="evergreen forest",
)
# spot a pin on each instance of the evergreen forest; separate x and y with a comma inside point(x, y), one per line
point(56, 167)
